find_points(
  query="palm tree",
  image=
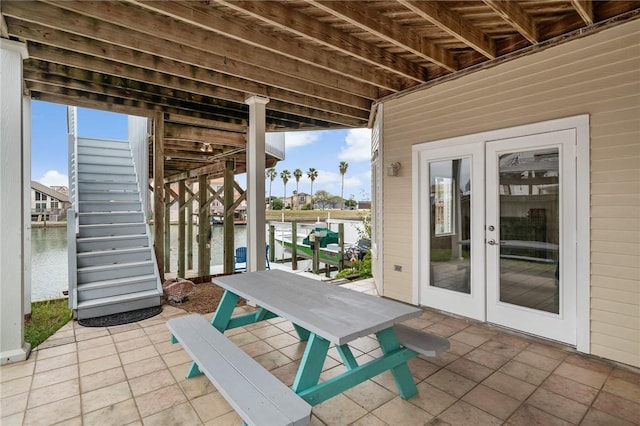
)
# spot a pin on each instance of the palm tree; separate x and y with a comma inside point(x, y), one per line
point(271, 174)
point(312, 174)
point(285, 175)
point(297, 173)
point(343, 166)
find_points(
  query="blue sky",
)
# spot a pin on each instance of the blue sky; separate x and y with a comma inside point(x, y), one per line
point(322, 150)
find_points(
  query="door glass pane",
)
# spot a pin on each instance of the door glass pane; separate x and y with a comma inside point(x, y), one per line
point(529, 229)
point(450, 195)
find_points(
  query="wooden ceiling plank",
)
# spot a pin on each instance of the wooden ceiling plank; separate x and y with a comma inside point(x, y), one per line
point(584, 9)
point(215, 20)
point(386, 28)
point(94, 30)
point(320, 109)
point(303, 25)
point(234, 53)
point(454, 24)
point(219, 125)
point(513, 13)
point(4, 31)
point(147, 89)
point(175, 131)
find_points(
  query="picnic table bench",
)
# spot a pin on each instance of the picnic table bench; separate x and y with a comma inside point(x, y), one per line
point(322, 314)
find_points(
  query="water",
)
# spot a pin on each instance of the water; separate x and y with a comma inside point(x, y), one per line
point(49, 274)
point(49, 269)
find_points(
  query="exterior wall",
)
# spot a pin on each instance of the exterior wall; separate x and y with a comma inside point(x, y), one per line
point(597, 75)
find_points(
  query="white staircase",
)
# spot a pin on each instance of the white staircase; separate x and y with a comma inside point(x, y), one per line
point(115, 268)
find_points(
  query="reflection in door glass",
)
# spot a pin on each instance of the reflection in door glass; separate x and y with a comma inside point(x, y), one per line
point(529, 229)
point(450, 232)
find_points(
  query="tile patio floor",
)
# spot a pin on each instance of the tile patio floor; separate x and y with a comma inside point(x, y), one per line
point(132, 374)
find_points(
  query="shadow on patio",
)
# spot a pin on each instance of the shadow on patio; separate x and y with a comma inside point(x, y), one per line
point(132, 374)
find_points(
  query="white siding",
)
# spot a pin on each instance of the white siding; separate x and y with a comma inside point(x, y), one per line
point(597, 75)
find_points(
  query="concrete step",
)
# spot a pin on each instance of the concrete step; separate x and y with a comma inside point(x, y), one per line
point(106, 257)
point(109, 195)
point(112, 229)
point(107, 186)
point(105, 152)
point(103, 143)
point(111, 243)
point(96, 218)
point(103, 177)
point(91, 274)
point(116, 287)
point(109, 206)
point(121, 303)
point(105, 169)
point(102, 159)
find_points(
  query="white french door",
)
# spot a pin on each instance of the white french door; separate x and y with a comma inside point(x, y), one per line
point(497, 230)
point(531, 234)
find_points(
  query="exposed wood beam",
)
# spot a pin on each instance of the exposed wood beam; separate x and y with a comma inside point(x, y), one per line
point(173, 131)
point(219, 125)
point(210, 19)
point(158, 189)
point(513, 13)
point(453, 24)
point(584, 9)
point(290, 20)
point(319, 110)
point(4, 31)
point(386, 28)
point(216, 168)
point(234, 57)
point(125, 44)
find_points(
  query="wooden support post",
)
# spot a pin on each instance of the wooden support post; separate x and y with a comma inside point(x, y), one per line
point(204, 246)
point(294, 246)
point(341, 243)
point(316, 256)
point(158, 190)
point(181, 229)
point(272, 242)
point(190, 230)
point(167, 231)
point(229, 225)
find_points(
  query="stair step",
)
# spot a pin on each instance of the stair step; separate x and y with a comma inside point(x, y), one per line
point(103, 177)
point(113, 271)
point(106, 186)
point(106, 257)
point(105, 169)
point(103, 151)
point(121, 303)
point(103, 143)
point(111, 243)
point(117, 286)
point(112, 229)
point(109, 195)
point(95, 218)
point(109, 206)
point(102, 159)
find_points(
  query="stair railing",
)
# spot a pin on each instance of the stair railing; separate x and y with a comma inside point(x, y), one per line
point(73, 222)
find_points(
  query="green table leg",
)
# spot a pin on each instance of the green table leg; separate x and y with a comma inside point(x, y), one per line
point(347, 356)
point(311, 364)
point(225, 309)
point(401, 374)
point(303, 333)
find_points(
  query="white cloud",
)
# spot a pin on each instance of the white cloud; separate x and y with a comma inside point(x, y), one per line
point(358, 146)
point(54, 178)
point(295, 139)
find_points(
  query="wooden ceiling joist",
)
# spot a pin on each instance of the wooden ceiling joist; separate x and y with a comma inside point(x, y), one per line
point(216, 20)
point(387, 29)
point(290, 20)
point(584, 9)
point(453, 24)
point(173, 131)
point(511, 12)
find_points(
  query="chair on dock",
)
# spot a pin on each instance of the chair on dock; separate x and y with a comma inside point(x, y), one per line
point(240, 259)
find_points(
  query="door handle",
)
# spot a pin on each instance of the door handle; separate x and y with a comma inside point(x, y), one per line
point(492, 242)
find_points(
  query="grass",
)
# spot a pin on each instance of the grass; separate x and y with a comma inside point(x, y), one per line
point(47, 317)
